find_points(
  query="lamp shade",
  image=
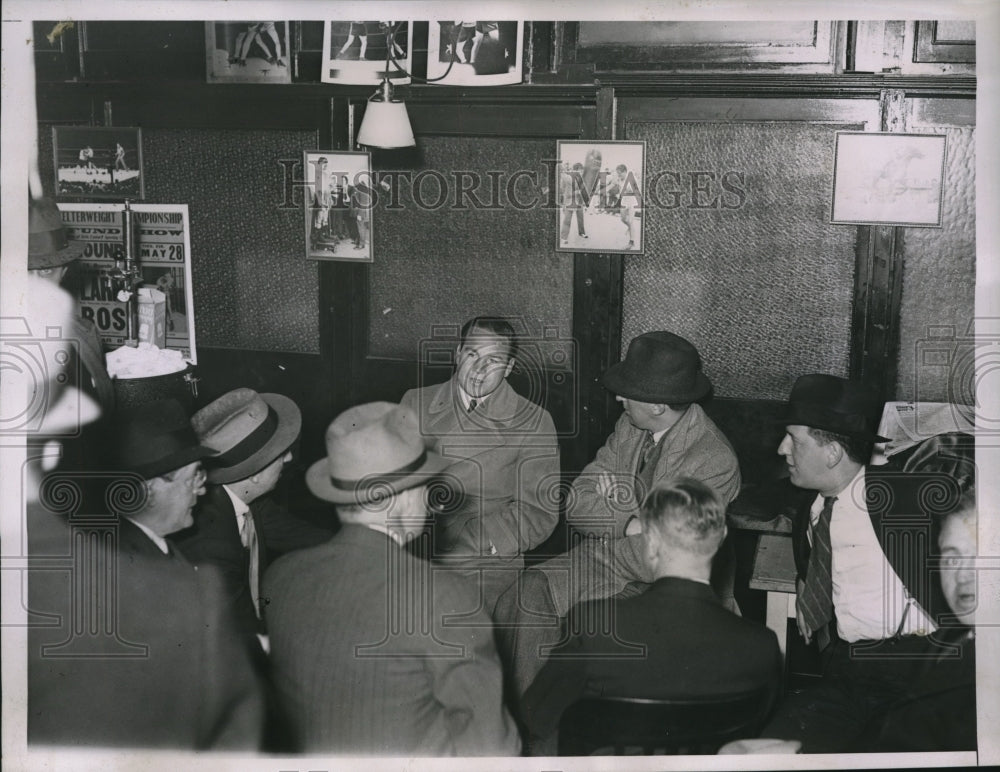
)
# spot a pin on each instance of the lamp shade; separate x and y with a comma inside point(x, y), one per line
point(386, 123)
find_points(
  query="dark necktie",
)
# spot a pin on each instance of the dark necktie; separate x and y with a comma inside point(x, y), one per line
point(815, 602)
point(472, 405)
point(646, 452)
point(648, 457)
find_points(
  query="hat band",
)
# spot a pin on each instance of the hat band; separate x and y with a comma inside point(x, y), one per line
point(179, 440)
point(366, 482)
point(250, 444)
point(848, 423)
point(47, 242)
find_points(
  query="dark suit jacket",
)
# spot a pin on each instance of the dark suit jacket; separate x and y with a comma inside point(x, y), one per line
point(902, 508)
point(166, 667)
point(214, 539)
point(693, 647)
point(365, 660)
point(133, 543)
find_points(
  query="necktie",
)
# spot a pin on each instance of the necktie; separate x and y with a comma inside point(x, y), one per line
point(815, 602)
point(248, 535)
point(646, 452)
point(472, 405)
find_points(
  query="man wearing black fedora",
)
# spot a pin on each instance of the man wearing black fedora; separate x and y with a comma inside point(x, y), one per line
point(865, 593)
point(138, 649)
point(662, 434)
point(237, 524)
point(373, 649)
point(154, 442)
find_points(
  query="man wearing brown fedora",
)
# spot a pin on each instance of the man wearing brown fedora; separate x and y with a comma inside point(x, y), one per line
point(662, 434)
point(50, 253)
point(132, 632)
point(865, 593)
point(373, 650)
point(236, 524)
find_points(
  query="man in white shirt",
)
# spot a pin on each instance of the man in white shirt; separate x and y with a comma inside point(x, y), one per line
point(864, 592)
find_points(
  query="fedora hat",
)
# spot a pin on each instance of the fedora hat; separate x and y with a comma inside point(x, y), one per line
point(247, 431)
point(372, 450)
point(835, 405)
point(49, 244)
point(154, 438)
point(660, 368)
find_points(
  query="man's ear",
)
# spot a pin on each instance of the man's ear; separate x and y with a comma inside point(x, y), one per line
point(834, 453)
point(659, 409)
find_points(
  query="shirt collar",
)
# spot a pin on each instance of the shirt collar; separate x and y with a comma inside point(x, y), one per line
point(158, 540)
point(239, 506)
point(466, 400)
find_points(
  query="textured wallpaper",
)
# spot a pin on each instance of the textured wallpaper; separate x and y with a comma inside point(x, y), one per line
point(253, 287)
point(939, 280)
point(739, 256)
point(442, 266)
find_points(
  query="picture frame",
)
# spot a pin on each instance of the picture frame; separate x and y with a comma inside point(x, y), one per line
point(98, 162)
point(354, 52)
point(248, 52)
point(339, 196)
point(598, 190)
point(888, 179)
point(478, 53)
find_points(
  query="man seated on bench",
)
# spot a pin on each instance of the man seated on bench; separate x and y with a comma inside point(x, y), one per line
point(674, 641)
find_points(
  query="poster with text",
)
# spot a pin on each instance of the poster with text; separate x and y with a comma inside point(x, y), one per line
point(162, 249)
point(475, 53)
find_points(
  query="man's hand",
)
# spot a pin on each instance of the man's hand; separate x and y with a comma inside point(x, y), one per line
point(804, 631)
point(606, 484)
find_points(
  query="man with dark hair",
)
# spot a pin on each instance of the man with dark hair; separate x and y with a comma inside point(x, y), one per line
point(505, 456)
point(673, 641)
point(861, 550)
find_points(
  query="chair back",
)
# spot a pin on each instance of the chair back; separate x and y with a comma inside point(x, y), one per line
point(627, 725)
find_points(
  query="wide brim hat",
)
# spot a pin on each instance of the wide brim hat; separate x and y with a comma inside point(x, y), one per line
point(372, 451)
point(836, 405)
point(155, 438)
point(247, 430)
point(659, 368)
point(49, 242)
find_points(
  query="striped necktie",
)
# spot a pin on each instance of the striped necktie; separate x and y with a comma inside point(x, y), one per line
point(815, 602)
point(248, 535)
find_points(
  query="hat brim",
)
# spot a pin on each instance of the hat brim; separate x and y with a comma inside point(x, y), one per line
point(289, 427)
point(73, 251)
point(319, 482)
point(792, 419)
point(623, 381)
point(174, 461)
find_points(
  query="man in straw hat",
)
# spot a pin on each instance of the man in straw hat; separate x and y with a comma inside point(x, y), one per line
point(236, 524)
point(662, 434)
point(864, 592)
point(365, 657)
point(102, 669)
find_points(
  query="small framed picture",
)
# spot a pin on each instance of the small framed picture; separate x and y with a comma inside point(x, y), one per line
point(98, 162)
point(247, 52)
point(888, 179)
point(598, 188)
point(356, 52)
point(338, 201)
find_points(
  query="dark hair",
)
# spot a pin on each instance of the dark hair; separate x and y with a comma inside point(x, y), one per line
point(494, 325)
point(621, 168)
point(858, 449)
point(688, 513)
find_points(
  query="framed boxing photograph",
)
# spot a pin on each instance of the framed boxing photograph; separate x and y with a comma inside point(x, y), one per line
point(98, 162)
point(337, 205)
point(598, 189)
point(247, 52)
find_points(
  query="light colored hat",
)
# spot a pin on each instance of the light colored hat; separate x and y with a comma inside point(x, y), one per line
point(372, 451)
point(248, 430)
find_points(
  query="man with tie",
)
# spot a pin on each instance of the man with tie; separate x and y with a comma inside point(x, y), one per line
point(505, 460)
point(864, 592)
point(237, 524)
point(662, 434)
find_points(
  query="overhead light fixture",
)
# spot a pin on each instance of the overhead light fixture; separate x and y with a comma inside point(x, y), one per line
point(386, 124)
